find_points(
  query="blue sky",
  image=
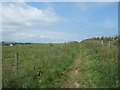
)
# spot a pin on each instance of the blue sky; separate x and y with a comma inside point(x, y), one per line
point(45, 22)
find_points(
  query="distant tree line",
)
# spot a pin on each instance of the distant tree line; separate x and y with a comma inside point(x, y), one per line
point(14, 43)
point(115, 38)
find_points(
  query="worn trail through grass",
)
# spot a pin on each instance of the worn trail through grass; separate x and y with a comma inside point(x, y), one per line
point(75, 73)
point(73, 81)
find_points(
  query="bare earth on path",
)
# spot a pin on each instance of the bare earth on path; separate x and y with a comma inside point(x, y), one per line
point(73, 75)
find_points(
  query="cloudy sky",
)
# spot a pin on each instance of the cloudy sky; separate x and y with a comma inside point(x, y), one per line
point(44, 22)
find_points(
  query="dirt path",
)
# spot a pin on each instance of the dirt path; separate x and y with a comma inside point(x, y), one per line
point(73, 76)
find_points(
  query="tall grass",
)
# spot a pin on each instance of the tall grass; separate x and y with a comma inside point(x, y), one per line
point(52, 61)
point(99, 65)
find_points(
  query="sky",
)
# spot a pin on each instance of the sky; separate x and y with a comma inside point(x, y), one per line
point(58, 22)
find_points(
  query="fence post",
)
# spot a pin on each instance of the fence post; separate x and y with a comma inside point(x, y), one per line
point(109, 44)
point(16, 62)
point(102, 42)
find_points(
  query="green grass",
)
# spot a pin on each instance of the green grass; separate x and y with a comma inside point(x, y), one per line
point(99, 65)
point(53, 61)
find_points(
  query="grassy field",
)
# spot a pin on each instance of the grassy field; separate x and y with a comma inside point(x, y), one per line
point(98, 64)
point(53, 61)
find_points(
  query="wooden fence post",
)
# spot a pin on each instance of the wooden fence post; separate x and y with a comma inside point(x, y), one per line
point(16, 62)
point(109, 44)
point(102, 42)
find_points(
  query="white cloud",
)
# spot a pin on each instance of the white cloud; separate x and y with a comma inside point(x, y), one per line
point(24, 22)
point(39, 36)
point(23, 14)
